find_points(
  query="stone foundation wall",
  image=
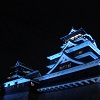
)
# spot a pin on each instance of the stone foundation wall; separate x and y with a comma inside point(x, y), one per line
point(18, 96)
point(89, 92)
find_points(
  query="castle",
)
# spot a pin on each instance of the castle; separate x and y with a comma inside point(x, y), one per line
point(73, 73)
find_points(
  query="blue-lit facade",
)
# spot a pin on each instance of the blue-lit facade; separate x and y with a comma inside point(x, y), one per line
point(74, 68)
point(76, 64)
point(18, 82)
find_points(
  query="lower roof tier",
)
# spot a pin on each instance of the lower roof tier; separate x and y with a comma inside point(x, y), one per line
point(70, 70)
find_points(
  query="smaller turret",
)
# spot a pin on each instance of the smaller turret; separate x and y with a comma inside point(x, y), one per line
point(20, 70)
point(19, 79)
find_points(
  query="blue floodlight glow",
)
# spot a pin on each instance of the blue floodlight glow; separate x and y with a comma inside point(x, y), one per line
point(70, 70)
point(19, 81)
point(68, 44)
point(50, 66)
point(64, 58)
point(55, 56)
point(72, 52)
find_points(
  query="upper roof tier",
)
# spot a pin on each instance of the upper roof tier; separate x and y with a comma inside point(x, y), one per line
point(73, 33)
point(74, 38)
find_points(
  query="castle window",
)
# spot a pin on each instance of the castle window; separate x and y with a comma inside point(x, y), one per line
point(23, 85)
point(18, 86)
point(60, 68)
point(78, 53)
point(8, 77)
point(72, 38)
point(56, 60)
point(75, 37)
point(69, 65)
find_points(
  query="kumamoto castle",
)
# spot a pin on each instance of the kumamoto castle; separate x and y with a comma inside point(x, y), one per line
point(74, 73)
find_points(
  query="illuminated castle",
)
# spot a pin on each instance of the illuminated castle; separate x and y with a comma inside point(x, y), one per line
point(76, 64)
point(73, 72)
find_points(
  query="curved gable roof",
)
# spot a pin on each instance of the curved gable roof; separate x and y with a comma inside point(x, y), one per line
point(64, 58)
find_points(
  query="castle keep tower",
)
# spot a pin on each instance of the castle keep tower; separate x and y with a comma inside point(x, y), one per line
point(74, 73)
point(75, 68)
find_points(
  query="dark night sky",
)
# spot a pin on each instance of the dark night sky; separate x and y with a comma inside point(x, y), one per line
point(31, 30)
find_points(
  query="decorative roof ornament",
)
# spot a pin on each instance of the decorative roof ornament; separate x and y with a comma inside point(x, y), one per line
point(18, 63)
point(72, 30)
